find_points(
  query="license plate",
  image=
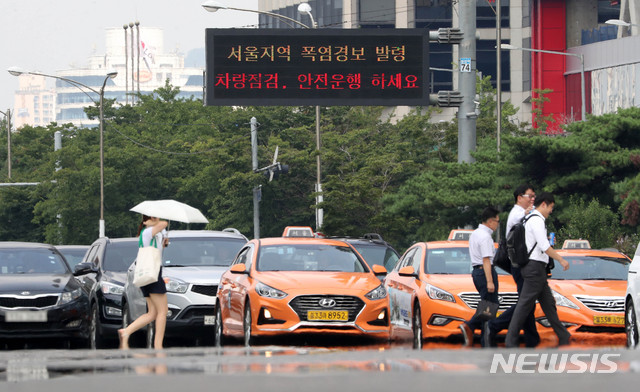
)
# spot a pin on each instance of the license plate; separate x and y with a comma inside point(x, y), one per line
point(209, 320)
point(328, 315)
point(608, 320)
point(25, 316)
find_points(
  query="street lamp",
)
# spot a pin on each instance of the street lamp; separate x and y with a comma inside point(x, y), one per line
point(110, 75)
point(303, 9)
point(622, 23)
point(213, 6)
point(579, 55)
point(8, 116)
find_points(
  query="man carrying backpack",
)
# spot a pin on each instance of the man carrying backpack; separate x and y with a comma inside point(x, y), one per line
point(534, 273)
point(524, 196)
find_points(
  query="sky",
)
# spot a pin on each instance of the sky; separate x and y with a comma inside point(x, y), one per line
point(52, 35)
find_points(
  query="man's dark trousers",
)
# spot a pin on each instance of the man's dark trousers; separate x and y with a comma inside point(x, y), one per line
point(535, 287)
point(531, 336)
point(480, 281)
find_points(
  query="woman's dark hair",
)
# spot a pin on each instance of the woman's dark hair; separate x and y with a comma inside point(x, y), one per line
point(141, 225)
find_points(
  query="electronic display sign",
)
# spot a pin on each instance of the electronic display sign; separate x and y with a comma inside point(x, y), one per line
point(326, 67)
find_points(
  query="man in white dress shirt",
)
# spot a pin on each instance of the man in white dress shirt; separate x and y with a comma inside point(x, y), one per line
point(534, 273)
point(485, 278)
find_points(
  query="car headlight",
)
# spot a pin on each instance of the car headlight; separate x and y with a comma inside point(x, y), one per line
point(377, 293)
point(267, 291)
point(561, 300)
point(111, 288)
point(69, 296)
point(176, 285)
point(437, 293)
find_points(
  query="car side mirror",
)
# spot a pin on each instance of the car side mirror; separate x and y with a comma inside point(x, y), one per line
point(239, 269)
point(82, 269)
point(378, 269)
point(407, 271)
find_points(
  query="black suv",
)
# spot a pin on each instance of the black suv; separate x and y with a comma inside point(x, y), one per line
point(108, 260)
point(374, 250)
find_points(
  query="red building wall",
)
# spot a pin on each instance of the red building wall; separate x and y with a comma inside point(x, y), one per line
point(548, 32)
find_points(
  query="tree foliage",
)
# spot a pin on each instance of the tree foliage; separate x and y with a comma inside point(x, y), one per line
point(395, 176)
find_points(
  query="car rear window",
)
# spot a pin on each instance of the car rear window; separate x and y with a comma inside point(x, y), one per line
point(307, 257)
point(377, 254)
point(31, 262)
point(205, 251)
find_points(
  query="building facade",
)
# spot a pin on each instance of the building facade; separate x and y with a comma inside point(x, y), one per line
point(569, 26)
point(141, 69)
point(34, 102)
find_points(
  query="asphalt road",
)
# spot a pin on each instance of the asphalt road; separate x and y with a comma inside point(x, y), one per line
point(365, 367)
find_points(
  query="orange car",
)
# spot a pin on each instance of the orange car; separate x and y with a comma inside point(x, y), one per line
point(590, 294)
point(431, 291)
point(289, 285)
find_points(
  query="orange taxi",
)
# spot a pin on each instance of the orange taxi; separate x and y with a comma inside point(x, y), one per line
point(590, 294)
point(431, 291)
point(291, 285)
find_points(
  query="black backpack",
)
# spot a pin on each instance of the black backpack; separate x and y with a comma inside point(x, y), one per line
point(517, 244)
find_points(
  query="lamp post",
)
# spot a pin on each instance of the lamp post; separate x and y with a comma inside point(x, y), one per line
point(110, 75)
point(580, 56)
point(303, 9)
point(8, 116)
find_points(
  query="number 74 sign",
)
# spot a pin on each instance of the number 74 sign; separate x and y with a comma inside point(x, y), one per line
point(465, 65)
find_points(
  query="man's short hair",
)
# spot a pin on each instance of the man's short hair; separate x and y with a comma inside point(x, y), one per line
point(544, 197)
point(488, 213)
point(521, 190)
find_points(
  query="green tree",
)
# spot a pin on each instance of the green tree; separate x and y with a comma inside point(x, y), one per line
point(591, 221)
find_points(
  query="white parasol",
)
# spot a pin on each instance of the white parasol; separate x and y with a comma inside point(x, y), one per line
point(170, 210)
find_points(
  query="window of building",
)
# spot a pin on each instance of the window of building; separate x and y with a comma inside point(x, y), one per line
point(377, 13)
point(486, 14)
point(486, 62)
point(608, 9)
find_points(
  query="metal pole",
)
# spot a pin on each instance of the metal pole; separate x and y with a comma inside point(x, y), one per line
point(138, 53)
point(57, 144)
point(8, 143)
point(101, 228)
point(254, 167)
point(132, 64)
point(319, 197)
point(126, 66)
point(498, 73)
point(467, 81)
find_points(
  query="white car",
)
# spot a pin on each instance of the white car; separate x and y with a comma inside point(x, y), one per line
point(632, 301)
point(191, 267)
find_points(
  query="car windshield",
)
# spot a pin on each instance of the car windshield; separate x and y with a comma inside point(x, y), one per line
point(592, 268)
point(73, 255)
point(31, 262)
point(450, 261)
point(377, 254)
point(203, 251)
point(118, 256)
point(307, 257)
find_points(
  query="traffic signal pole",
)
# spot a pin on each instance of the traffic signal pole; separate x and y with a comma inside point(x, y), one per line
point(254, 166)
point(467, 81)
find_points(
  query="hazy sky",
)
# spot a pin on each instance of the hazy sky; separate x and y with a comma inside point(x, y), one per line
point(50, 35)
